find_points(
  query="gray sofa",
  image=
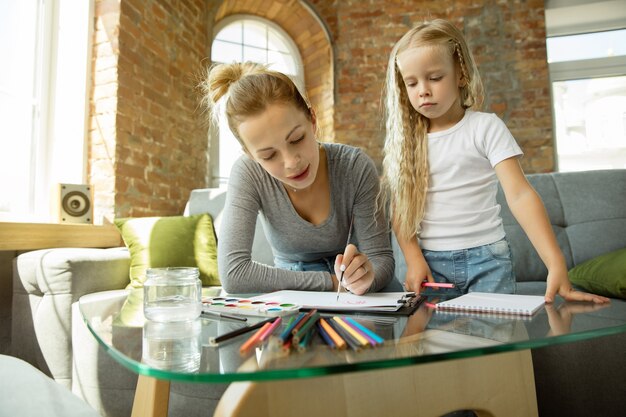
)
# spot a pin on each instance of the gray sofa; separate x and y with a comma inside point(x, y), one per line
point(587, 211)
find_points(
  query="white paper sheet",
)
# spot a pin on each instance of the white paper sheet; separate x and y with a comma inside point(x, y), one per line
point(380, 301)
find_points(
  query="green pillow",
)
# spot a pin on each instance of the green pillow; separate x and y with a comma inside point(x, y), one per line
point(155, 242)
point(604, 275)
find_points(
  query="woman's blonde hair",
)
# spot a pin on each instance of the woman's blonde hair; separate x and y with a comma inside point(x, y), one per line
point(405, 163)
point(241, 90)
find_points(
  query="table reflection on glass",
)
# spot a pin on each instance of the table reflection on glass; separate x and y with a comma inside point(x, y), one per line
point(483, 361)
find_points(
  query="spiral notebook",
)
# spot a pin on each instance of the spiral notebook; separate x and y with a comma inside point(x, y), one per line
point(482, 302)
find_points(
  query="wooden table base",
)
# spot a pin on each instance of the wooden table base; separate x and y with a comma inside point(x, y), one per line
point(493, 385)
point(152, 397)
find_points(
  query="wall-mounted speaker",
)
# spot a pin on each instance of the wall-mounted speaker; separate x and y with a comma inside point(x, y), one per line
point(75, 203)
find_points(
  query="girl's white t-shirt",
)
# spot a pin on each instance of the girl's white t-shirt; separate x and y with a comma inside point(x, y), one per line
point(461, 207)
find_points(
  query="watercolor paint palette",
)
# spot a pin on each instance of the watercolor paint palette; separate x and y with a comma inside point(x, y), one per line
point(248, 307)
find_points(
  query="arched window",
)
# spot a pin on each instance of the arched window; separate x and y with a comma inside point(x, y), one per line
point(243, 38)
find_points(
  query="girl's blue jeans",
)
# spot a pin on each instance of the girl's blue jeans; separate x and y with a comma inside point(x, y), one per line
point(324, 264)
point(487, 268)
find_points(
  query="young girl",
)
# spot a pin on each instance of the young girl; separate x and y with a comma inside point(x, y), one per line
point(310, 194)
point(441, 167)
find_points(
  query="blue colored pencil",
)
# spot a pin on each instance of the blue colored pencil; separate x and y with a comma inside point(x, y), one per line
point(286, 334)
point(325, 336)
point(364, 329)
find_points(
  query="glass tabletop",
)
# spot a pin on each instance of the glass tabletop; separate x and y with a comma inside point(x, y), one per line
point(181, 351)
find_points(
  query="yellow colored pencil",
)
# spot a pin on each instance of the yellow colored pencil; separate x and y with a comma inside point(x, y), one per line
point(363, 341)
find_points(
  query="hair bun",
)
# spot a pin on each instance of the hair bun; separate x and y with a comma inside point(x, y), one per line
point(222, 76)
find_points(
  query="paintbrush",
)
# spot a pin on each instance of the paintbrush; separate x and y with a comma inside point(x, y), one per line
point(343, 267)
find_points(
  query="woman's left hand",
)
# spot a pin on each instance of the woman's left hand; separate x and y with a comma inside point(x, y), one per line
point(358, 272)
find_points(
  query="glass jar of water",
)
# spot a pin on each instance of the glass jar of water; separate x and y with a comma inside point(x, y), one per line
point(172, 294)
point(173, 345)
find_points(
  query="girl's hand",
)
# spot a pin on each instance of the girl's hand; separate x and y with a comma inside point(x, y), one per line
point(417, 272)
point(558, 283)
point(560, 319)
point(417, 322)
point(358, 272)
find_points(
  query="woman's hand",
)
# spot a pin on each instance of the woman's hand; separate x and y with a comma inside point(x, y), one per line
point(358, 272)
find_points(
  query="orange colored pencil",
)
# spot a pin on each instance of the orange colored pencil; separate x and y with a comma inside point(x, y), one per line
point(254, 339)
point(339, 342)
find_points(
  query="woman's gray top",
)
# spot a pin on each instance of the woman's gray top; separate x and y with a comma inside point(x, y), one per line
point(354, 187)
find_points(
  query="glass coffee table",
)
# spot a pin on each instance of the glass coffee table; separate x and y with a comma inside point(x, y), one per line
point(487, 355)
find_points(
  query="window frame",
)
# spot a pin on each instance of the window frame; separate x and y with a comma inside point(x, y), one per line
point(587, 68)
point(577, 70)
point(215, 180)
point(59, 132)
point(566, 18)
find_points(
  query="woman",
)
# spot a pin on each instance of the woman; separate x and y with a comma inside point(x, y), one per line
point(310, 194)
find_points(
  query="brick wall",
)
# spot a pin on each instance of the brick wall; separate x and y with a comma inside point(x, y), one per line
point(148, 136)
point(506, 37)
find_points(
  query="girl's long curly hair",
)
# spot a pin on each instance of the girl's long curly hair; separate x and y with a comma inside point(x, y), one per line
point(405, 162)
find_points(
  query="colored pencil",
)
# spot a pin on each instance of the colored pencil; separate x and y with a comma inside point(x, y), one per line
point(306, 340)
point(362, 340)
point(213, 341)
point(325, 336)
point(370, 340)
point(438, 284)
point(337, 339)
point(365, 330)
point(276, 341)
point(270, 329)
point(254, 339)
point(303, 321)
point(287, 345)
point(306, 327)
point(286, 334)
point(347, 337)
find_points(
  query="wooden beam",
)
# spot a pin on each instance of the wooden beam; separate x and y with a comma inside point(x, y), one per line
point(28, 236)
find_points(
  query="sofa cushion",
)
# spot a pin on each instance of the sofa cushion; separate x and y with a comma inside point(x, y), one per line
point(580, 205)
point(212, 200)
point(604, 275)
point(172, 241)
